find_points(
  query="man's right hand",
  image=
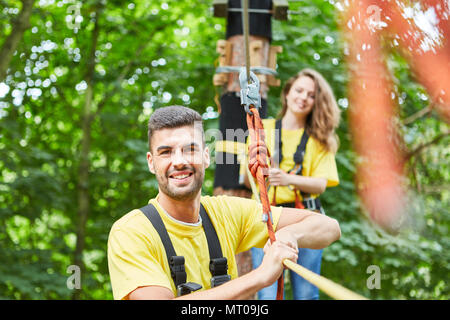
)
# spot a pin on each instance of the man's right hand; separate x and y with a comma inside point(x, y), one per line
point(274, 254)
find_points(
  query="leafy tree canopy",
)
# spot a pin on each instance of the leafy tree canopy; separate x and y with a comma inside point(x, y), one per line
point(74, 104)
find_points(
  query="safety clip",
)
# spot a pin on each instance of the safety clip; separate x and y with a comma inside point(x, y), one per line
point(249, 91)
point(265, 216)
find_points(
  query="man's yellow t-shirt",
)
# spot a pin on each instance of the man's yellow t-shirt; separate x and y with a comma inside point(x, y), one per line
point(317, 162)
point(136, 255)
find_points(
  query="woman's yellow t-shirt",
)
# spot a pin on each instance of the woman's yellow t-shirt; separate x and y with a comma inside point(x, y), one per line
point(317, 162)
point(136, 255)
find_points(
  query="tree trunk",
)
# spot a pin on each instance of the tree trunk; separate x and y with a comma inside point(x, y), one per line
point(83, 170)
point(20, 24)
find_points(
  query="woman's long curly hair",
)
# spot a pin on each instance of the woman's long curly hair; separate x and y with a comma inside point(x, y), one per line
point(324, 118)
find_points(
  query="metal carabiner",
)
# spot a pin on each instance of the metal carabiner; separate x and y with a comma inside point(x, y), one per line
point(249, 91)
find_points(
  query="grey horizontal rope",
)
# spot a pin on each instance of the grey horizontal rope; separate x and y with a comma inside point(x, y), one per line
point(260, 70)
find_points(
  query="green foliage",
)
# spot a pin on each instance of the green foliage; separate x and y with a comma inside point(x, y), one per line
point(154, 53)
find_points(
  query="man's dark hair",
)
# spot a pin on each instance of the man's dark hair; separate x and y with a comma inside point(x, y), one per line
point(172, 117)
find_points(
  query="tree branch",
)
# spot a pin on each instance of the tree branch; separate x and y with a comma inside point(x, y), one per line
point(418, 114)
point(20, 24)
point(125, 71)
point(426, 145)
point(62, 96)
point(83, 202)
point(436, 188)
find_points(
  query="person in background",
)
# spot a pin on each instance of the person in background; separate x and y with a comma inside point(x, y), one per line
point(303, 143)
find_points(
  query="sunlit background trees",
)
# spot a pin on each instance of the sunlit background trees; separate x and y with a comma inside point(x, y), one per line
point(78, 88)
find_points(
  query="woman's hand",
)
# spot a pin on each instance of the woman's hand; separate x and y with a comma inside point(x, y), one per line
point(278, 177)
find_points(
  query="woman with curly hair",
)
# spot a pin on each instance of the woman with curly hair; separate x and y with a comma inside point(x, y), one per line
point(303, 143)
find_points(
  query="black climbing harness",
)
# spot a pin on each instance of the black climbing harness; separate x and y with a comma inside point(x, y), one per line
point(218, 265)
point(308, 202)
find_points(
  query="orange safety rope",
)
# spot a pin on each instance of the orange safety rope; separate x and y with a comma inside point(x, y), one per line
point(258, 167)
point(257, 163)
point(258, 154)
point(251, 100)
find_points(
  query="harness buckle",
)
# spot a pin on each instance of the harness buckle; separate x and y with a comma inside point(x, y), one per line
point(310, 203)
point(218, 268)
point(218, 280)
point(178, 273)
point(249, 91)
point(300, 167)
point(188, 287)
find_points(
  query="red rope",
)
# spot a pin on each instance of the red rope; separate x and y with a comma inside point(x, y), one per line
point(258, 154)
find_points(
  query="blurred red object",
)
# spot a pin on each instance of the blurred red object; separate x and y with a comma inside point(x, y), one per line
point(367, 25)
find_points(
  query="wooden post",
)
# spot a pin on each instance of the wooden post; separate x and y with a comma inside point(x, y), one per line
point(231, 53)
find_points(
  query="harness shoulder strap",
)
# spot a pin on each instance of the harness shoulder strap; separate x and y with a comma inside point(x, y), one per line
point(299, 153)
point(218, 265)
point(152, 214)
point(278, 155)
point(176, 263)
point(215, 251)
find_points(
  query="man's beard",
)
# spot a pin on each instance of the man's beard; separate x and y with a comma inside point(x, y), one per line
point(185, 194)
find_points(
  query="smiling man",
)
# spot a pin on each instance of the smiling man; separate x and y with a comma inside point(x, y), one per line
point(182, 244)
